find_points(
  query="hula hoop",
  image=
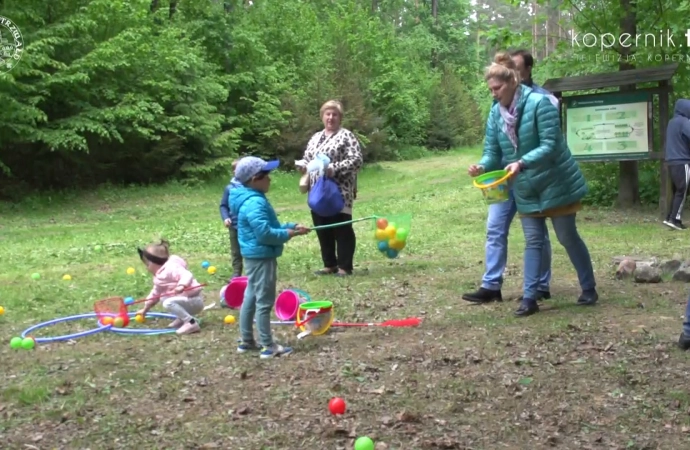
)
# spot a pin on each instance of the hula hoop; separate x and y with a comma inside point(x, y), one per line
point(494, 184)
point(148, 331)
point(66, 337)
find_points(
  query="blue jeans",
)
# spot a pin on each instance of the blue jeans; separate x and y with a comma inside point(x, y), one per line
point(259, 299)
point(497, 228)
point(566, 232)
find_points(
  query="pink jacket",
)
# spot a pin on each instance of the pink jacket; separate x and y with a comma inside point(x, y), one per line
point(172, 274)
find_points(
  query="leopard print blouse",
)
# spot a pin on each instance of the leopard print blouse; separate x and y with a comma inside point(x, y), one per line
point(345, 154)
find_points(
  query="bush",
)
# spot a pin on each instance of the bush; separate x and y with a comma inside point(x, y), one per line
point(602, 180)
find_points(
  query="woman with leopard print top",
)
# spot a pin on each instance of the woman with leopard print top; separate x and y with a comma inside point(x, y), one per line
point(343, 149)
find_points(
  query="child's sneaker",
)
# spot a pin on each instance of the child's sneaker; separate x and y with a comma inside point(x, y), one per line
point(177, 323)
point(189, 328)
point(244, 347)
point(274, 350)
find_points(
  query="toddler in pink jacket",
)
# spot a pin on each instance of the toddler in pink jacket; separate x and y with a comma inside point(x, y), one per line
point(171, 276)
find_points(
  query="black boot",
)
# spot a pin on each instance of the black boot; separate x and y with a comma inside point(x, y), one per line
point(684, 341)
point(541, 295)
point(483, 296)
point(527, 308)
point(588, 298)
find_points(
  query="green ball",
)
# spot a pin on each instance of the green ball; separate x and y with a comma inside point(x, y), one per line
point(16, 342)
point(98, 248)
point(364, 443)
point(28, 343)
point(36, 276)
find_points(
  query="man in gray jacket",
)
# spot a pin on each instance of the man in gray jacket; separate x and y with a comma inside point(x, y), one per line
point(678, 161)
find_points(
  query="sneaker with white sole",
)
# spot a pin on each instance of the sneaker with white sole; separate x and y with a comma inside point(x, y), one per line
point(189, 328)
point(274, 350)
point(177, 323)
point(244, 347)
point(675, 224)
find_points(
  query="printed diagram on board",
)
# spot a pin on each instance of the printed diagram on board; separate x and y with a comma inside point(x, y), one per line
point(603, 129)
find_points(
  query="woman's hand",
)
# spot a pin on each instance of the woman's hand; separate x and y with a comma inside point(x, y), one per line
point(475, 170)
point(514, 168)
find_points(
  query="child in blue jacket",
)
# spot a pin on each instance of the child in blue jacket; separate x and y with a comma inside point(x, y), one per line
point(230, 223)
point(262, 238)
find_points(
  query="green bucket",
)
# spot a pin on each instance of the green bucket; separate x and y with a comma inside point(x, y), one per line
point(494, 186)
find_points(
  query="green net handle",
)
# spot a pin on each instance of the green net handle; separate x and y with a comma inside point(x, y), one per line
point(340, 224)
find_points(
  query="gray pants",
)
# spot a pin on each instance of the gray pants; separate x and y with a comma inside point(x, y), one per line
point(184, 307)
point(259, 300)
point(235, 252)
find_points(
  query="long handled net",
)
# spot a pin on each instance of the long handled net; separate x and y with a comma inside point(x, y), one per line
point(391, 232)
point(116, 307)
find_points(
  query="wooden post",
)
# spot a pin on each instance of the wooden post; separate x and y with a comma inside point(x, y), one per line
point(665, 190)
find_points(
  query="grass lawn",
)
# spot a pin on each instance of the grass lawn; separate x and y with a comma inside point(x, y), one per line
point(471, 377)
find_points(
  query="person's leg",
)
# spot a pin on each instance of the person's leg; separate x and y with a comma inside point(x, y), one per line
point(327, 244)
point(534, 229)
point(680, 178)
point(184, 308)
point(496, 255)
point(545, 271)
point(193, 306)
point(265, 293)
point(567, 234)
point(673, 194)
point(684, 340)
point(346, 241)
point(235, 252)
point(248, 308)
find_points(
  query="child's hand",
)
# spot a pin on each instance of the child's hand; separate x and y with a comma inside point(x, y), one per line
point(301, 229)
point(142, 312)
point(179, 289)
point(227, 223)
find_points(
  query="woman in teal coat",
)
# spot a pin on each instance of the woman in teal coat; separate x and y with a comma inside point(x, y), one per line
point(524, 129)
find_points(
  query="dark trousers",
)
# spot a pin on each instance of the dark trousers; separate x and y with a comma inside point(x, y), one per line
point(680, 182)
point(338, 243)
point(235, 253)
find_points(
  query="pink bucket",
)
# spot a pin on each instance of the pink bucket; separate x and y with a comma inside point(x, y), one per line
point(288, 303)
point(234, 292)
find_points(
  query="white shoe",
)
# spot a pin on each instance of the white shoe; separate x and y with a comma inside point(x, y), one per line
point(177, 323)
point(189, 328)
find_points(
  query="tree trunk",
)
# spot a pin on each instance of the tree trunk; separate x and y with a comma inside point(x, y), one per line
point(628, 179)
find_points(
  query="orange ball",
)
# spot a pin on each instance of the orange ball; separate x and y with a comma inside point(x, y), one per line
point(105, 321)
point(381, 223)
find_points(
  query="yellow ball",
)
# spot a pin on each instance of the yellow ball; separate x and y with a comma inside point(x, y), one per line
point(67, 277)
point(396, 244)
point(139, 318)
point(229, 320)
point(2, 310)
point(212, 270)
point(131, 271)
point(381, 235)
point(118, 322)
point(390, 231)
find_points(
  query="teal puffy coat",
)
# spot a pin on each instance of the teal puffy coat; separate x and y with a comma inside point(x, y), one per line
point(551, 177)
point(260, 234)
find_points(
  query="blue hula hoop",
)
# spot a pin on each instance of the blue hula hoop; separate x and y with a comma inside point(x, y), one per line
point(66, 337)
point(147, 331)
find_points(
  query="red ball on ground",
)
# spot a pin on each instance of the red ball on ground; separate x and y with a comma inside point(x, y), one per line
point(336, 406)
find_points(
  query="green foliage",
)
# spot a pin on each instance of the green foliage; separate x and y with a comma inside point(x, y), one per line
point(602, 181)
point(136, 92)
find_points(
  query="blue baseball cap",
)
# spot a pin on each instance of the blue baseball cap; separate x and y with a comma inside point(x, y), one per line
point(250, 166)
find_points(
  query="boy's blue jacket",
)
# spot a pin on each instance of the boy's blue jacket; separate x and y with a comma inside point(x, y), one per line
point(224, 202)
point(260, 234)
